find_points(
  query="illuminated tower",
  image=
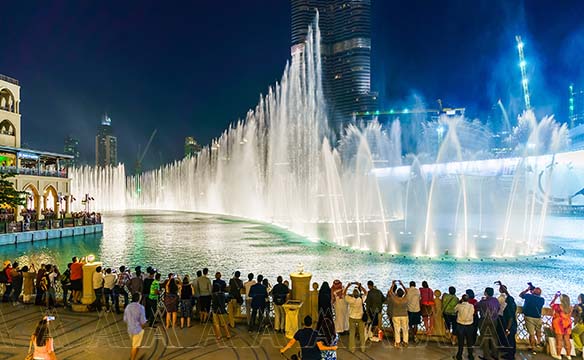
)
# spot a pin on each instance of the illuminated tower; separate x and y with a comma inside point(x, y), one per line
point(524, 81)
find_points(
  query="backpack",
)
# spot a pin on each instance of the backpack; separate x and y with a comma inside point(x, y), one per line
point(3, 277)
point(65, 278)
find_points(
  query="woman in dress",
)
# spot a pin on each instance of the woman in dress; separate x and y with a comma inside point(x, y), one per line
point(324, 303)
point(186, 302)
point(562, 324)
point(42, 343)
point(341, 307)
point(439, 328)
point(171, 300)
point(328, 338)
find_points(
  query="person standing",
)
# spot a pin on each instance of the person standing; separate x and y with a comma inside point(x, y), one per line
point(449, 302)
point(235, 301)
point(509, 324)
point(427, 307)
point(52, 274)
point(120, 288)
point(8, 285)
point(399, 308)
point(341, 307)
point(109, 282)
point(219, 311)
point(578, 315)
point(77, 279)
point(373, 306)
point(532, 305)
point(247, 285)
point(414, 311)
point(28, 277)
point(356, 323)
point(41, 342)
point(146, 286)
point(65, 279)
point(204, 289)
point(171, 299)
point(186, 303)
point(97, 282)
point(153, 298)
point(16, 282)
point(307, 337)
point(464, 325)
point(135, 318)
point(258, 294)
point(324, 302)
point(328, 339)
point(488, 309)
point(279, 296)
point(562, 324)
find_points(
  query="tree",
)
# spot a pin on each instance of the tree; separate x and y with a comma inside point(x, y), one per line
point(9, 196)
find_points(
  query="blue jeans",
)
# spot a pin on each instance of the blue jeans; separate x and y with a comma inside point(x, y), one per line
point(119, 290)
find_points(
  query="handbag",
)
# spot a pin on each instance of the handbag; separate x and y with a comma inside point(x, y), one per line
point(30, 354)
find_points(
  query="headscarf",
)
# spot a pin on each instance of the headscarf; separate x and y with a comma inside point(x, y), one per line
point(337, 285)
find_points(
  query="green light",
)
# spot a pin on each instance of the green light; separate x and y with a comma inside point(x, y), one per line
point(367, 113)
point(376, 112)
point(406, 111)
point(571, 107)
point(391, 111)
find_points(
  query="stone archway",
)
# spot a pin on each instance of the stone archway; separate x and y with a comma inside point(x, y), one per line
point(50, 198)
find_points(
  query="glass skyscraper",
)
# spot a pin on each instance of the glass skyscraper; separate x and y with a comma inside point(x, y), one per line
point(72, 148)
point(106, 144)
point(345, 27)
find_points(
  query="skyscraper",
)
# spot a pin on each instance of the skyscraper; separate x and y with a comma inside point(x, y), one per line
point(106, 144)
point(72, 148)
point(191, 146)
point(576, 106)
point(345, 27)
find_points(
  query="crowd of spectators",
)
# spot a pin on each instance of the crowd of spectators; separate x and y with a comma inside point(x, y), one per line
point(175, 301)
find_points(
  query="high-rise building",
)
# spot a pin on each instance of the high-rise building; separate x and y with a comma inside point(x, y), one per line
point(576, 106)
point(345, 27)
point(191, 146)
point(106, 144)
point(72, 148)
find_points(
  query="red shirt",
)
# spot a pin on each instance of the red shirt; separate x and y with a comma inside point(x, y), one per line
point(76, 271)
point(426, 296)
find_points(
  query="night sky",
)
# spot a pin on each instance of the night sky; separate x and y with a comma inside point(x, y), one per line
point(192, 67)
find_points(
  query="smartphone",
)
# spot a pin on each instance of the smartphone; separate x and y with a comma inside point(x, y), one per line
point(558, 293)
point(50, 318)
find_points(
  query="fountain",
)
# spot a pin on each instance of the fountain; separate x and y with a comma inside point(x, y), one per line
point(280, 166)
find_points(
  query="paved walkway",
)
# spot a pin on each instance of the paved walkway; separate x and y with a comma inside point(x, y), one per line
point(92, 336)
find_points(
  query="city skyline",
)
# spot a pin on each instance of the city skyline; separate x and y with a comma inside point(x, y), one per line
point(462, 53)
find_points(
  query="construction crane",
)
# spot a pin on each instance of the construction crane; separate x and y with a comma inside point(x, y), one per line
point(522, 65)
point(138, 168)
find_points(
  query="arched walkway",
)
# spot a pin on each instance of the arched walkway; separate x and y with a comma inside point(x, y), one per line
point(50, 198)
point(6, 128)
point(32, 196)
point(7, 101)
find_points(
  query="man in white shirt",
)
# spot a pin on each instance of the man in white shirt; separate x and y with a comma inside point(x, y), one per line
point(356, 322)
point(97, 281)
point(464, 321)
point(109, 281)
point(247, 285)
point(414, 312)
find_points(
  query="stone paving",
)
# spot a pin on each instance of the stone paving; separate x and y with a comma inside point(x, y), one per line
point(103, 336)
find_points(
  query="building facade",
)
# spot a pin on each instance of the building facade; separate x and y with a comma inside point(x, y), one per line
point(345, 27)
point(72, 148)
point(192, 148)
point(42, 175)
point(106, 144)
point(576, 106)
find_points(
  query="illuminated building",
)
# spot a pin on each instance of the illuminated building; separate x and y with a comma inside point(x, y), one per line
point(72, 148)
point(106, 144)
point(42, 175)
point(345, 27)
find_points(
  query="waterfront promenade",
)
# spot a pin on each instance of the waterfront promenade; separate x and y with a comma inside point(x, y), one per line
point(92, 336)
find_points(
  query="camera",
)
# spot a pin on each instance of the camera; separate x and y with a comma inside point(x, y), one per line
point(558, 293)
point(50, 318)
point(498, 282)
point(531, 287)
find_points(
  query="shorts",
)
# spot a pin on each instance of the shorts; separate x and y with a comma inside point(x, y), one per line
point(77, 285)
point(171, 302)
point(137, 339)
point(414, 318)
point(186, 308)
point(427, 310)
point(205, 303)
point(219, 319)
point(533, 325)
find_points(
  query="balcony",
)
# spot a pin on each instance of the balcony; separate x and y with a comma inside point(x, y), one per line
point(9, 79)
point(33, 171)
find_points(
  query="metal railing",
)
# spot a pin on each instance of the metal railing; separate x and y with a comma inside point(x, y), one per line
point(8, 227)
point(33, 171)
